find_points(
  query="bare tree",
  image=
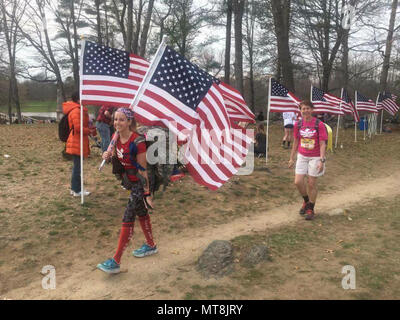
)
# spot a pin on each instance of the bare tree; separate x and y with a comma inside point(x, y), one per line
point(281, 13)
point(238, 10)
point(389, 40)
point(12, 13)
point(228, 35)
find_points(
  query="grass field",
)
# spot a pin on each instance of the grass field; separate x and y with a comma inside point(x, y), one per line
point(40, 222)
point(38, 106)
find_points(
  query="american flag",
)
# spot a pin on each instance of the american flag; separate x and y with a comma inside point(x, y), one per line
point(387, 102)
point(281, 99)
point(325, 102)
point(364, 104)
point(235, 104)
point(348, 106)
point(110, 76)
point(190, 103)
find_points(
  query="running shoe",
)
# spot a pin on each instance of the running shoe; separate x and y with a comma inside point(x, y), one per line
point(109, 266)
point(303, 208)
point(78, 194)
point(310, 214)
point(144, 250)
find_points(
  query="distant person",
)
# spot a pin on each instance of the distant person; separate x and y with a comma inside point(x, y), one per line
point(103, 125)
point(310, 137)
point(288, 124)
point(261, 141)
point(130, 155)
point(73, 146)
point(260, 116)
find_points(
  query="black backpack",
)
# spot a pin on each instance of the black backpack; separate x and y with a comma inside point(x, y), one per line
point(63, 128)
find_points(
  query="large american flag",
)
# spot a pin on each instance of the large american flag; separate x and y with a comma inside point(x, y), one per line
point(190, 103)
point(281, 99)
point(325, 102)
point(348, 106)
point(387, 102)
point(110, 76)
point(364, 104)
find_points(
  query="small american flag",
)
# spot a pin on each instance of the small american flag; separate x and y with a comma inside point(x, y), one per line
point(325, 102)
point(190, 103)
point(348, 106)
point(281, 99)
point(364, 104)
point(110, 76)
point(387, 102)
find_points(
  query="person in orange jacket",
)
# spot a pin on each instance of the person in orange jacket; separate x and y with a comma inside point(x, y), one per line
point(73, 147)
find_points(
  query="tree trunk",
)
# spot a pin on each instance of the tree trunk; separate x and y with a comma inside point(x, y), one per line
point(228, 41)
point(281, 14)
point(388, 50)
point(74, 52)
point(129, 27)
point(98, 20)
point(135, 42)
point(345, 58)
point(238, 8)
point(146, 26)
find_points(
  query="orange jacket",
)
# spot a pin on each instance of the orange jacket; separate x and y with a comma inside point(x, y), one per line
point(74, 120)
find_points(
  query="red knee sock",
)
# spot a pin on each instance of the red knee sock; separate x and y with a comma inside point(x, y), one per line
point(146, 227)
point(124, 238)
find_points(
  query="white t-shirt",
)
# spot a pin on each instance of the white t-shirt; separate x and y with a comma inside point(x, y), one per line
point(289, 118)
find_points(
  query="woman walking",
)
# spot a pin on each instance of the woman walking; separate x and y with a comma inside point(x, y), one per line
point(130, 152)
point(310, 138)
point(288, 124)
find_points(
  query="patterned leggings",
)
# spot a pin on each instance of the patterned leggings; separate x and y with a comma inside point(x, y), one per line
point(135, 205)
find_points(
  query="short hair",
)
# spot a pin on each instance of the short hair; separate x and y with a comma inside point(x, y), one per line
point(306, 103)
point(75, 96)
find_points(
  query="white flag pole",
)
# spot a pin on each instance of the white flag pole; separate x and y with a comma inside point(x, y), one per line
point(268, 107)
point(144, 83)
point(355, 122)
point(81, 133)
point(338, 120)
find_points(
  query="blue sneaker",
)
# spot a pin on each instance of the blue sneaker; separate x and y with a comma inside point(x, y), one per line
point(109, 266)
point(145, 250)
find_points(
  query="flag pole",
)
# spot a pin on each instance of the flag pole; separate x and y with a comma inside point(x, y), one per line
point(338, 121)
point(355, 122)
point(81, 106)
point(268, 107)
point(142, 87)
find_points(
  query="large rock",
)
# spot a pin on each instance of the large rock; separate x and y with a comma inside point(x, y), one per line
point(217, 260)
point(255, 255)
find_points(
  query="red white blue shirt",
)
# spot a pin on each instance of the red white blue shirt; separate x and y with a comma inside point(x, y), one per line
point(123, 153)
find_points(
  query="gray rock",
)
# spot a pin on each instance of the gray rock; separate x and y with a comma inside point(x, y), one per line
point(255, 255)
point(217, 260)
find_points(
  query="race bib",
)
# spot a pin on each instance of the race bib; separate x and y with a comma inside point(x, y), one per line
point(307, 144)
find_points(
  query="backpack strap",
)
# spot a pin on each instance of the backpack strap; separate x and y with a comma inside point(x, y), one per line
point(133, 150)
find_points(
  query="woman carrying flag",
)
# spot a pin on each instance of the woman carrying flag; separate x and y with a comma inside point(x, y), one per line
point(310, 138)
point(130, 153)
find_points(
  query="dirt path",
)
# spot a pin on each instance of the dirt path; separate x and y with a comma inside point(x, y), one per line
point(178, 255)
